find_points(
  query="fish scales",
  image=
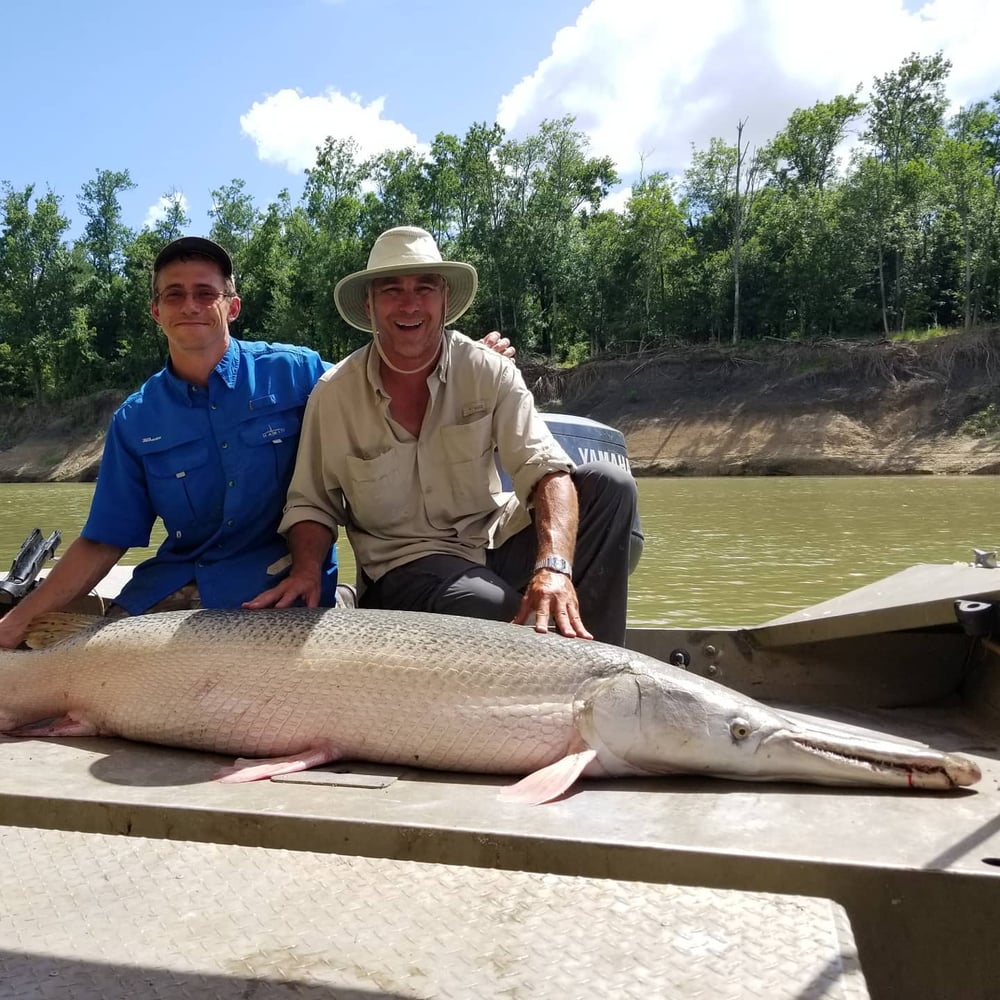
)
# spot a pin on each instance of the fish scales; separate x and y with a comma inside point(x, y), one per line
point(406, 687)
point(296, 688)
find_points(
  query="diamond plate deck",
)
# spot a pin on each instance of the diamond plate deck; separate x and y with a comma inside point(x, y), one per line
point(919, 875)
point(99, 917)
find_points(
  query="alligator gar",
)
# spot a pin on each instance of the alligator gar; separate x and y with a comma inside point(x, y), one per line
point(293, 689)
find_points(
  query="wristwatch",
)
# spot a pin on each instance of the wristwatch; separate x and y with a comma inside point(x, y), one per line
point(557, 564)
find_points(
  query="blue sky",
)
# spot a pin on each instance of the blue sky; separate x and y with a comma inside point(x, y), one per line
point(189, 95)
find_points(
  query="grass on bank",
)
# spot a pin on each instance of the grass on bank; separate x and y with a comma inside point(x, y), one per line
point(915, 335)
point(982, 423)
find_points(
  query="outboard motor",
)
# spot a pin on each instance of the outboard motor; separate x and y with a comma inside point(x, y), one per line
point(586, 440)
point(34, 551)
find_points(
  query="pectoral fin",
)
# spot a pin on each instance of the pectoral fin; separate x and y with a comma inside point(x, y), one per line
point(65, 725)
point(550, 782)
point(256, 769)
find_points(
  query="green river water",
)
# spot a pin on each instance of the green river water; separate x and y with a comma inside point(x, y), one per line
point(720, 551)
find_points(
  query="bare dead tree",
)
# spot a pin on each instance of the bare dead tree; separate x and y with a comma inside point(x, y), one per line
point(746, 189)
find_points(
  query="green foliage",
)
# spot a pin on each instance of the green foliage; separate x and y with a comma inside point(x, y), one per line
point(984, 423)
point(776, 241)
point(575, 355)
point(915, 336)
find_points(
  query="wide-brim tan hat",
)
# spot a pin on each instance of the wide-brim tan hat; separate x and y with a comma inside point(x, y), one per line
point(405, 250)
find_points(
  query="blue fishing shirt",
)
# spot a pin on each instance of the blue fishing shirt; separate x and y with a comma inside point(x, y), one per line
point(214, 465)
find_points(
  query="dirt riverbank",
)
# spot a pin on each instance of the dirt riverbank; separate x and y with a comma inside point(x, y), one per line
point(830, 408)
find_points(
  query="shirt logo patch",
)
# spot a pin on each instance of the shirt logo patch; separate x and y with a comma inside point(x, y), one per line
point(272, 432)
point(474, 409)
point(150, 440)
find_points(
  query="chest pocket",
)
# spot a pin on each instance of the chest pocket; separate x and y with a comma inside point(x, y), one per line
point(178, 481)
point(269, 444)
point(472, 471)
point(381, 489)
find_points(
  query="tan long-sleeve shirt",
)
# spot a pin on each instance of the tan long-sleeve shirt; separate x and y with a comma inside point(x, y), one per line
point(402, 497)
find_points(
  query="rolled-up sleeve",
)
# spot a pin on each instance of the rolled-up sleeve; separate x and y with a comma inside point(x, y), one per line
point(314, 493)
point(121, 512)
point(527, 449)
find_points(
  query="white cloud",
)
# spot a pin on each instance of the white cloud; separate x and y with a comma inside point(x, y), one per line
point(287, 127)
point(646, 80)
point(617, 200)
point(162, 206)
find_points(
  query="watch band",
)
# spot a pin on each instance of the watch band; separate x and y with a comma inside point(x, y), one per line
point(555, 563)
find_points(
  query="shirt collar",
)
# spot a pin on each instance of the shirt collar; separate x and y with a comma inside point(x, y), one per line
point(228, 367)
point(227, 370)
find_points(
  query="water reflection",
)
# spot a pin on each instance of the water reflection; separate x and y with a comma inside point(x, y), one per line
point(734, 551)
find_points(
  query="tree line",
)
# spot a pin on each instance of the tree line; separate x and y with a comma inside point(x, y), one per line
point(784, 240)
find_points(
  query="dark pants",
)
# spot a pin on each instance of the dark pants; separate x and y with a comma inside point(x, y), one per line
point(451, 585)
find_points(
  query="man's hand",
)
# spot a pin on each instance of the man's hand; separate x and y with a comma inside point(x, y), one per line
point(308, 542)
point(288, 593)
point(11, 634)
point(499, 344)
point(83, 566)
point(552, 595)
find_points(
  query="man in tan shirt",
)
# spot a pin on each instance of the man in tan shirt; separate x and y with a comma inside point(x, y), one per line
point(398, 445)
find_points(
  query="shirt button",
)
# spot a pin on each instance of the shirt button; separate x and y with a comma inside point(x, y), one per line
point(229, 523)
point(215, 406)
point(225, 444)
point(232, 482)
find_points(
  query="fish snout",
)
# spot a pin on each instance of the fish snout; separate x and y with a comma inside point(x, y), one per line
point(961, 771)
point(860, 761)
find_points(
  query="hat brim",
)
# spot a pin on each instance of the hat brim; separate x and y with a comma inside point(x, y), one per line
point(351, 293)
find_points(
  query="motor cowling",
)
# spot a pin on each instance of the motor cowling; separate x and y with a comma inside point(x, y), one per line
point(586, 440)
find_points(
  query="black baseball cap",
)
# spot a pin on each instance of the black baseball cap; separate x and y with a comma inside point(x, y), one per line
point(187, 245)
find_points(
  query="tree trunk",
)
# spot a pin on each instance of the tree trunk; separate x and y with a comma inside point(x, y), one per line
point(968, 274)
point(737, 232)
point(881, 288)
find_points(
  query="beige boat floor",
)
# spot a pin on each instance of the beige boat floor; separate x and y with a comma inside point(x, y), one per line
point(918, 873)
point(92, 916)
point(115, 786)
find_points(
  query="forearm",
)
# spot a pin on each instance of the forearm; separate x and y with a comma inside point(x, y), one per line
point(83, 566)
point(309, 542)
point(550, 592)
point(556, 514)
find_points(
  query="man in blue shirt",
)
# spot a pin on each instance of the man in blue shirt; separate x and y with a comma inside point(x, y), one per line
point(207, 444)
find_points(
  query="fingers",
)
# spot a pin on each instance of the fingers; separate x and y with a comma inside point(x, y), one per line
point(503, 346)
point(265, 599)
point(567, 618)
point(285, 595)
point(556, 602)
point(499, 344)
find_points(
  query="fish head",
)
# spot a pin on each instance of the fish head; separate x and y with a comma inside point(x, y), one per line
point(654, 721)
point(643, 723)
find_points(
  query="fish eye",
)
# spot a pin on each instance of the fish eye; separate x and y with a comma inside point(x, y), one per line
point(739, 728)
